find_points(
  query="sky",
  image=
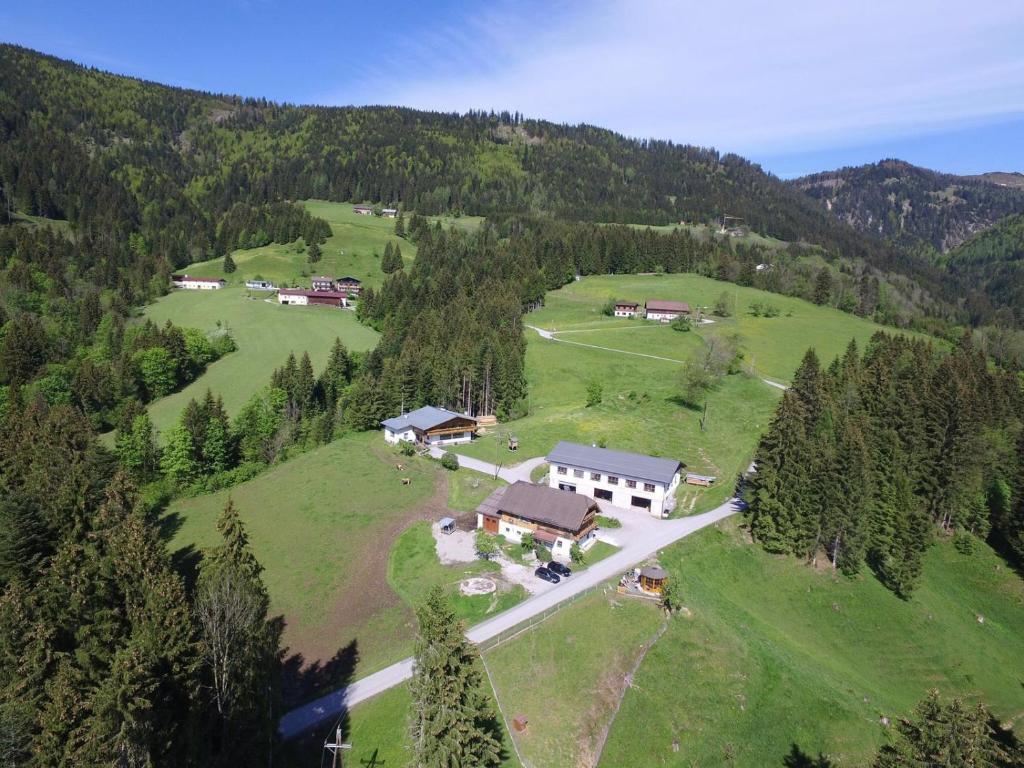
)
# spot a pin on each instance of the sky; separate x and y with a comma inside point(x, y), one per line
point(796, 85)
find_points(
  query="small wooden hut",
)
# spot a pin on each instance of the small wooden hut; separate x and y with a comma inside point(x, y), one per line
point(653, 578)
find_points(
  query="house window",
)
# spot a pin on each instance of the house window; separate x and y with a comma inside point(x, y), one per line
point(649, 487)
point(612, 480)
point(577, 473)
point(558, 543)
point(595, 476)
point(562, 470)
point(631, 483)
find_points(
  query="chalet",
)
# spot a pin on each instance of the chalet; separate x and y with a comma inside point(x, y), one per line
point(555, 518)
point(363, 210)
point(351, 284)
point(665, 311)
point(260, 285)
point(303, 297)
point(623, 479)
point(389, 213)
point(626, 308)
point(323, 283)
point(197, 283)
point(429, 426)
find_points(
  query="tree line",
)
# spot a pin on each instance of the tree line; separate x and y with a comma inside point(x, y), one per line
point(865, 461)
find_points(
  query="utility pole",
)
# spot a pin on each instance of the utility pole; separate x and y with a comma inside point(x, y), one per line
point(335, 748)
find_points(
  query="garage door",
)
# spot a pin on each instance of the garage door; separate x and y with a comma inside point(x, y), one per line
point(491, 524)
point(639, 501)
point(601, 493)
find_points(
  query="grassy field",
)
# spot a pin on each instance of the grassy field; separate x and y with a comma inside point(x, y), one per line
point(777, 654)
point(322, 525)
point(703, 231)
point(567, 675)
point(641, 411)
point(354, 248)
point(772, 345)
point(265, 332)
point(413, 569)
point(466, 489)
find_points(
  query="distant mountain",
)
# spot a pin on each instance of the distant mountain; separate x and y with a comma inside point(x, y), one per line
point(1001, 178)
point(909, 205)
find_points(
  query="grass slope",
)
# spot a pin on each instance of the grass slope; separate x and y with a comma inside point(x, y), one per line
point(265, 333)
point(777, 654)
point(566, 676)
point(321, 525)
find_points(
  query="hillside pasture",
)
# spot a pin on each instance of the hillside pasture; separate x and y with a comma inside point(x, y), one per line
point(322, 525)
point(265, 331)
point(780, 659)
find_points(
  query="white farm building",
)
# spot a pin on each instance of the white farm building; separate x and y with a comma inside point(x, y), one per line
point(188, 283)
point(621, 478)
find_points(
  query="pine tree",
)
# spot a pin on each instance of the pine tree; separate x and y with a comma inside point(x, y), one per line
point(229, 264)
point(452, 723)
point(336, 376)
point(951, 735)
point(400, 225)
point(823, 286)
point(24, 541)
point(178, 461)
point(137, 450)
point(315, 254)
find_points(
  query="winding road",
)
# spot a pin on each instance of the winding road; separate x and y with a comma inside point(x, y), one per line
point(642, 545)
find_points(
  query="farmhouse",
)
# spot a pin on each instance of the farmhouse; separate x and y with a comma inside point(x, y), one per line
point(260, 285)
point(323, 283)
point(363, 210)
point(665, 311)
point(389, 213)
point(352, 285)
point(555, 518)
point(197, 283)
point(429, 426)
point(302, 297)
point(624, 479)
point(626, 308)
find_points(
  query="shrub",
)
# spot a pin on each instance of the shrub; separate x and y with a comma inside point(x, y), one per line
point(595, 393)
point(486, 546)
point(608, 522)
point(407, 449)
point(542, 553)
point(682, 323)
point(526, 542)
point(609, 307)
point(576, 553)
point(450, 461)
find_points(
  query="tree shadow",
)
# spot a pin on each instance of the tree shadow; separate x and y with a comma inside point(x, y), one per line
point(683, 402)
point(185, 562)
point(797, 758)
point(168, 525)
point(301, 682)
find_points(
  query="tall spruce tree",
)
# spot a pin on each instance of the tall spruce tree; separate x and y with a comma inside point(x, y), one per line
point(452, 723)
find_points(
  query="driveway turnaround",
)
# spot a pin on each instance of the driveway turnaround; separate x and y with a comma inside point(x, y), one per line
point(646, 541)
point(508, 474)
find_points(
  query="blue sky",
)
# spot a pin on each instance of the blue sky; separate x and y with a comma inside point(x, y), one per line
point(797, 85)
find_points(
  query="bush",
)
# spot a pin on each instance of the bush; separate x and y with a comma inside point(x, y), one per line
point(576, 553)
point(609, 307)
point(526, 542)
point(541, 552)
point(407, 449)
point(608, 522)
point(682, 323)
point(486, 545)
point(595, 393)
point(450, 461)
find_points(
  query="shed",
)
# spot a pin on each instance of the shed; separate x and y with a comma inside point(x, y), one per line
point(653, 578)
point(447, 525)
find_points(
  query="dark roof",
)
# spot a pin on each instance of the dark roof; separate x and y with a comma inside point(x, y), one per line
point(653, 572)
point(199, 279)
point(363, 207)
point(323, 277)
point(667, 306)
point(619, 463)
point(423, 418)
point(539, 504)
point(626, 304)
point(349, 279)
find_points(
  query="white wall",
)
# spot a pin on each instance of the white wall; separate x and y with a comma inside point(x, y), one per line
point(292, 299)
point(625, 313)
point(621, 494)
point(458, 437)
point(396, 437)
point(664, 317)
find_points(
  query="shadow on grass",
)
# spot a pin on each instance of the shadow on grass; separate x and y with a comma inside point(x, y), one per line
point(797, 758)
point(684, 402)
point(185, 562)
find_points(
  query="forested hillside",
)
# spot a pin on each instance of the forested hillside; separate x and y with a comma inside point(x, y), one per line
point(994, 262)
point(910, 205)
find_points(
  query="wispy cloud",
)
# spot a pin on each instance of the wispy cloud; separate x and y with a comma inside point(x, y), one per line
point(742, 75)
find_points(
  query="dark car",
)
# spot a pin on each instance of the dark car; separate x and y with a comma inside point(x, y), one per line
point(544, 573)
point(562, 570)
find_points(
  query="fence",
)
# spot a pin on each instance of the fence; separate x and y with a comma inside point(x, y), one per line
point(528, 624)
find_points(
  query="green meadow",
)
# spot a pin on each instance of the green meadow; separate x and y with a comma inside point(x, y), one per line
point(265, 331)
point(322, 525)
point(778, 656)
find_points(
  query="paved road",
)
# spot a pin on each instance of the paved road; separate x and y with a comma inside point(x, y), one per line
point(509, 474)
point(641, 546)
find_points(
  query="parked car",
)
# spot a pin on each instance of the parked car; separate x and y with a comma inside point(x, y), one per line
point(547, 575)
point(562, 570)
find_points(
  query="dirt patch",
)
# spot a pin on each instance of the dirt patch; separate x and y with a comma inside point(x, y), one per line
point(365, 592)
